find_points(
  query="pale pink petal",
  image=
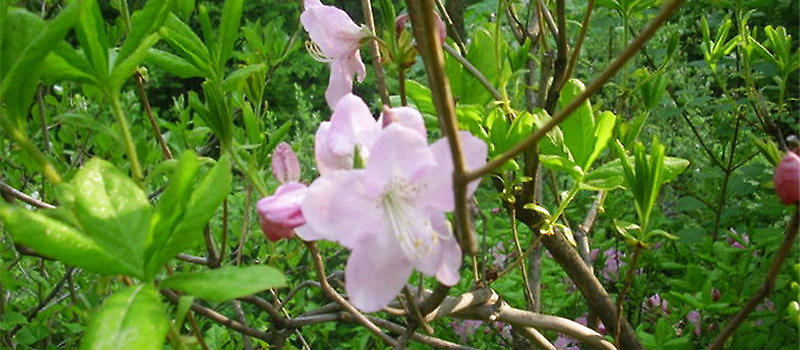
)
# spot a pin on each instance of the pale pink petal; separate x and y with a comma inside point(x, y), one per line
point(331, 29)
point(405, 116)
point(400, 157)
point(450, 255)
point(351, 124)
point(338, 207)
point(376, 272)
point(340, 83)
point(440, 185)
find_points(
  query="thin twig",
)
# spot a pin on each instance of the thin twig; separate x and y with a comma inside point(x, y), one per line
point(451, 27)
point(331, 293)
point(474, 71)
point(581, 36)
point(766, 288)
point(366, 6)
point(13, 192)
point(219, 318)
point(593, 88)
point(424, 339)
point(146, 103)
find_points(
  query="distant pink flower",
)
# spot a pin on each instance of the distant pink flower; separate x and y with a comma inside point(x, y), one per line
point(500, 258)
point(654, 302)
point(339, 40)
point(285, 166)
point(694, 318)
point(465, 328)
point(279, 214)
point(613, 264)
point(391, 213)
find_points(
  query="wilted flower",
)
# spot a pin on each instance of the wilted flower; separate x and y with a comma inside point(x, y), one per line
point(391, 213)
point(279, 214)
point(338, 39)
point(285, 166)
point(787, 178)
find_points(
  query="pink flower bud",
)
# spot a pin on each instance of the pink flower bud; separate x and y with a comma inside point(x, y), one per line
point(787, 178)
point(279, 214)
point(715, 294)
point(400, 24)
point(285, 166)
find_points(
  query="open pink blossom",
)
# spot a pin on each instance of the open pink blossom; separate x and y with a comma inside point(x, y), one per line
point(391, 214)
point(339, 39)
point(279, 214)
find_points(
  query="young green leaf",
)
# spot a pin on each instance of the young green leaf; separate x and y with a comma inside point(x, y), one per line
point(228, 31)
point(579, 127)
point(226, 283)
point(133, 318)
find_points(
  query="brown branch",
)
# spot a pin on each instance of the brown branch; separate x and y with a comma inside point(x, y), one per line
point(581, 36)
point(146, 103)
point(366, 6)
point(219, 318)
point(560, 64)
point(593, 88)
point(14, 193)
point(423, 22)
point(766, 288)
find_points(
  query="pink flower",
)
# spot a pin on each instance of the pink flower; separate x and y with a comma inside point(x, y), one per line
point(787, 178)
point(654, 302)
point(613, 263)
point(694, 318)
point(338, 39)
point(466, 328)
point(285, 166)
point(391, 213)
point(352, 127)
point(279, 214)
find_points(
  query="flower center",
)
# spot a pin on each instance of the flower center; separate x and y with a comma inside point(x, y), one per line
point(411, 228)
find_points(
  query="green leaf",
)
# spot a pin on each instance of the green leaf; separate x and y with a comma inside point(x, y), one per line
point(604, 178)
point(142, 35)
point(219, 117)
point(91, 33)
point(188, 45)
point(226, 283)
point(179, 220)
point(232, 81)
point(579, 127)
point(603, 131)
point(60, 241)
point(173, 64)
point(561, 163)
point(133, 318)
point(18, 82)
point(112, 210)
point(228, 30)
point(421, 96)
point(277, 136)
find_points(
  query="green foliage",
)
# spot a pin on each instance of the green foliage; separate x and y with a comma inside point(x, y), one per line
point(132, 318)
point(227, 282)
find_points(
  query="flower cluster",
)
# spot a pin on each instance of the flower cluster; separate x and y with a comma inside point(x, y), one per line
point(383, 191)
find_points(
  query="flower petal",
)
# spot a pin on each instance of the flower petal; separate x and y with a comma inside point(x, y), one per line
point(400, 156)
point(405, 116)
point(338, 207)
point(448, 271)
point(376, 272)
point(440, 184)
point(351, 124)
point(331, 29)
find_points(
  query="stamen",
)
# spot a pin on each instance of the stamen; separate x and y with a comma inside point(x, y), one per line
point(316, 53)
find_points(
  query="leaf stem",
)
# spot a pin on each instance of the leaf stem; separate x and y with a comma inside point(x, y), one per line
point(130, 146)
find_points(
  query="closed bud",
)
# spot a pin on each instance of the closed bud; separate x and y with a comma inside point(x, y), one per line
point(787, 178)
point(285, 166)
